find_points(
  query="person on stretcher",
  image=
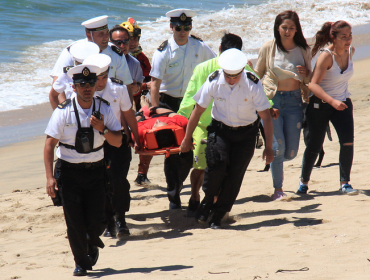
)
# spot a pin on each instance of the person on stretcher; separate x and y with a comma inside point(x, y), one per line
point(163, 128)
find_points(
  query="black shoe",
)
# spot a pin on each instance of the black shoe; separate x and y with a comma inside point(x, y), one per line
point(192, 207)
point(79, 271)
point(215, 222)
point(111, 230)
point(142, 179)
point(174, 206)
point(122, 229)
point(204, 209)
point(93, 254)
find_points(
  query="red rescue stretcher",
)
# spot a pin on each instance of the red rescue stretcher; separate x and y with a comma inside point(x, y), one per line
point(150, 145)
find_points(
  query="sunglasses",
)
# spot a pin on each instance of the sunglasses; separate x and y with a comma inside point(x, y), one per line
point(91, 84)
point(184, 27)
point(120, 42)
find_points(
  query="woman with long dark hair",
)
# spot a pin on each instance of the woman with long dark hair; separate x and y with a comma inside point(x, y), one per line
point(331, 101)
point(285, 64)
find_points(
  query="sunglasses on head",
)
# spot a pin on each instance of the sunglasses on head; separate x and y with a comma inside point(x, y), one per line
point(91, 84)
point(184, 27)
point(120, 42)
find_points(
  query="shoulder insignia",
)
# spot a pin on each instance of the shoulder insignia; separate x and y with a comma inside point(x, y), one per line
point(196, 38)
point(103, 100)
point(162, 46)
point(66, 69)
point(213, 76)
point(64, 103)
point(116, 50)
point(252, 77)
point(117, 81)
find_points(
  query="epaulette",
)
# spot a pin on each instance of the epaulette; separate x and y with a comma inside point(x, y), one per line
point(66, 69)
point(64, 103)
point(196, 38)
point(117, 81)
point(213, 76)
point(116, 50)
point(103, 100)
point(252, 77)
point(162, 46)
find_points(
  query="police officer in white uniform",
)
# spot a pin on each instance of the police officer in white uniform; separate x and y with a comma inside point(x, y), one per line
point(62, 87)
point(237, 95)
point(175, 59)
point(81, 137)
point(118, 198)
point(97, 32)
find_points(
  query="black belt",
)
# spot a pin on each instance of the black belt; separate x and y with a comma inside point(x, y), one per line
point(221, 125)
point(169, 100)
point(83, 165)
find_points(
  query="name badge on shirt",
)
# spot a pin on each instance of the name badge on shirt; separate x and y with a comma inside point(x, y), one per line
point(220, 99)
point(70, 124)
point(173, 64)
point(316, 105)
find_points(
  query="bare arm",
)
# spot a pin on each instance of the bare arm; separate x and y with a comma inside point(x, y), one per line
point(114, 138)
point(53, 98)
point(154, 92)
point(186, 144)
point(268, 154)
point(51, 183)
point(324, 62)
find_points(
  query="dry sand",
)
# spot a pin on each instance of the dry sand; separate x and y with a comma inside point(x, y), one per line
point(323, 235)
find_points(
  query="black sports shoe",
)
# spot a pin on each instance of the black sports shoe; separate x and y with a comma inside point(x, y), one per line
point(122, 229)
point(204, 209)
point(142, 179)
point(215, 222)
point(79, 271)
point(192, 207)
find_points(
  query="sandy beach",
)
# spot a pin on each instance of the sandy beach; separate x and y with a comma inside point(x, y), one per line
point(323, 235)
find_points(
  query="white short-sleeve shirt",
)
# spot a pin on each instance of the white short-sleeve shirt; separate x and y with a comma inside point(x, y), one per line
point(118, 67)
point(63, 126)
point(234, 106)
point(63, 83)
point(174, 65)
point(118, 97)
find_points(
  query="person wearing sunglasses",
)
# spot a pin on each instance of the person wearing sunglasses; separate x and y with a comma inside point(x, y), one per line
point(175, 59)
point(96, 30)
point(120, 37)
point(80, 153)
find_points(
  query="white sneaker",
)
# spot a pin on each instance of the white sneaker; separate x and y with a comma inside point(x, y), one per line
point(347, 189)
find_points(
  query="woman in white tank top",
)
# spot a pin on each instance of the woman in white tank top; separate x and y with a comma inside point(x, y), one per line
point(331, 101)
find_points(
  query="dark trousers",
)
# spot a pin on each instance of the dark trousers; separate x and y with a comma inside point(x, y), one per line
point(118, 192)
point(176, 169)
point(228, 154)
point(171, 102)
point(83, 205)
point(317, 121)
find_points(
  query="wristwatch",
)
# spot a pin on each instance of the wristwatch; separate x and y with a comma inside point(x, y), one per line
point(105, 131)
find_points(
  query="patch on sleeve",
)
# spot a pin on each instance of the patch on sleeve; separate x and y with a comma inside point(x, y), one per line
point(66, 69)
point(117, 81)
point(103, 100)
point(64, 104)
point(163, 46)
point(252, 77)
point(116, 50)
point(213, 76)
point(196, 38)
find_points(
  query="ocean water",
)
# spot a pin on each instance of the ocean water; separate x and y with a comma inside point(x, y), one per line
point(34, 32)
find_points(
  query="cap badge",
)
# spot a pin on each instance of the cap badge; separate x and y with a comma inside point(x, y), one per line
point(183, 17)
point(86, 72)
point(196, 55)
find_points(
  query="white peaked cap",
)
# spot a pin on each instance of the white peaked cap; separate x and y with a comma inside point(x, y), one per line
point(179, 12)
point(80, 69)
point(97, 23)
point(101, 60)
point(232, 61)
point(82, 49)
